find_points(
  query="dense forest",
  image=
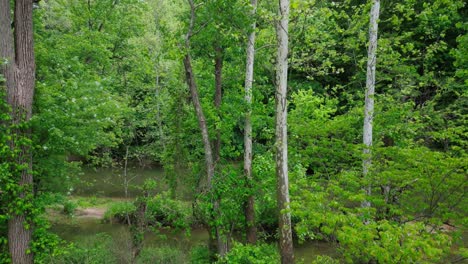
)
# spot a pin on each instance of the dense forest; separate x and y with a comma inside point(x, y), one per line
point(233, 131)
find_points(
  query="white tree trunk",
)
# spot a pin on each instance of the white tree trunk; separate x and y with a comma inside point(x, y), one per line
point(370, 87)
point(285, 234)
point(249, 73)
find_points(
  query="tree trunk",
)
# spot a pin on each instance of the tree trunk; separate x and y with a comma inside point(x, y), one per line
point(285, 234)
point(158, 109)
point(7, 50)
point(20, 80)
point(138, 231)
point(210, 165)
point(218, 72)
point(369, 103)
point(251, 229)
point(201, 119)
point(222, 241)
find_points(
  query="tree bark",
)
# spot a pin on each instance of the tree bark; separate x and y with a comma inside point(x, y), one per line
point(218, 73)
point(285, 234)
point(7, 51)
point(190, 78)
point(251, 229)
point(19, 73)
point(369, 100)
point(222, 241)
point(210, 165)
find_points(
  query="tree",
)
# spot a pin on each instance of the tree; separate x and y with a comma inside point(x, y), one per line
point(249, 73)
point(209, 161)
point(19, 71)
point(285, 234)
point(370, 87)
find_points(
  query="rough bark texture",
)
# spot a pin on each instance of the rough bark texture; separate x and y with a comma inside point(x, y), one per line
point(210, 165)
point(285, 234)
point(7, 51)
point(370, 87)
point(251, 229)
point(190, 78)
point(20, 80)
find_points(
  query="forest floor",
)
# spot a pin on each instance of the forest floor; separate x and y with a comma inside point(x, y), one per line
point(84, 207)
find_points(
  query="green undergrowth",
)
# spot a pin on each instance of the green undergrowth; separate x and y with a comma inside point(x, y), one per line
point(161, 211)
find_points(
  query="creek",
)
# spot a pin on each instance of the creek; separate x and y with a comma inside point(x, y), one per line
point(108, 183)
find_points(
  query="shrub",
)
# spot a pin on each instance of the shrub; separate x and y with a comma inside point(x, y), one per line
point(252, 254)
point(69, 207)
point(168, 212)
point(200, 255)
point(93, 251)
point(387, 242)
point(161, 255)
point(119, 210)
point(325, 260)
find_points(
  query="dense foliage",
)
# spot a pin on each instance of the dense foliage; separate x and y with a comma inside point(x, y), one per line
point(111, 89)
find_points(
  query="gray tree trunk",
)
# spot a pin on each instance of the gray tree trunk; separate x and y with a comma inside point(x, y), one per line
point(370, 88)
point(19, 73)
point(210, 165)
point(251, 229)
point(285, 234)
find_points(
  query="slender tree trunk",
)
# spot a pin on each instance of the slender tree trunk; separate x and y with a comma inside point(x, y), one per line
point(218, 73)
point(285, 234)
point(20, 79)
point(138, 231)
point(158, 110)
point(370, 87)
point(201, 119)
point(210, 165)
point(251, 229)
point(222, 240)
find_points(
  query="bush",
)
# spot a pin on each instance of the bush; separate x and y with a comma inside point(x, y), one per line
point(162, 255)
point(387, 242)
point(118, 211)
point(169, 212)
point(325, 260)
point(97, 250)
point(69, 207)
point(200, 255)
point(252, 254)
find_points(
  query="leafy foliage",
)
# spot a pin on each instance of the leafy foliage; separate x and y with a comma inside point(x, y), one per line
point(252, 254)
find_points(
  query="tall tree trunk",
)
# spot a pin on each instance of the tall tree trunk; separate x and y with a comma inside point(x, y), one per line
point(222, 240)
point(285, 234)
point(369, 103)
point(210, 165)
point(157, 95)
point(218, 73)
point(251, 229)
point(20, 79)
point(201, 119)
